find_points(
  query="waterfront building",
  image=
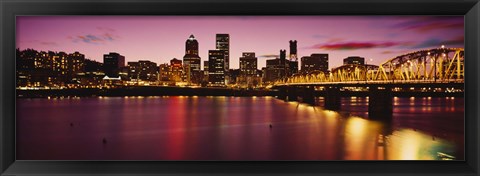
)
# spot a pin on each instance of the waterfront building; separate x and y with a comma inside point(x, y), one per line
point(143, 70)
point(216, 68)
point(177, 70)
point(314, 62)
point(354, 60)
point(205, 71)
point(277, 68)
point(234, 75)
point(248, 69)
point(222, 42)
point(51, 69)
point(112, 63)
point(191, 61)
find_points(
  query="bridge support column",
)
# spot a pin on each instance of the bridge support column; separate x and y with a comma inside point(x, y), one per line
point(332, 98)
point(380, 103)
point(292, 93)
point(282, 93)
point(308, 95)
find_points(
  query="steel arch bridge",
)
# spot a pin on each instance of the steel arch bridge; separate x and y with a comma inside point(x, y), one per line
point(434, 65)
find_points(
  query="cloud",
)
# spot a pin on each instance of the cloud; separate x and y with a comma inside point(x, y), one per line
point(427, 24)
point(357, 45)
point(105, 35)
point(269, 55)
point(49, 43)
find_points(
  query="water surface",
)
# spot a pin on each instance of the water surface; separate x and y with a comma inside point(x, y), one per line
point(235, 128)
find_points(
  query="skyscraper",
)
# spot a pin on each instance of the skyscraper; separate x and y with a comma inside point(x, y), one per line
point(216, 68)
point(112, 63)
point(191, 61)
point(191, 46)
point(223, 43)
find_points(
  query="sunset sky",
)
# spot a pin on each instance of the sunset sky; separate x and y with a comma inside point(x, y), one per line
point(161, 38)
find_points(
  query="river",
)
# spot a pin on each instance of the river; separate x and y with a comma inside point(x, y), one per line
point(235, 128)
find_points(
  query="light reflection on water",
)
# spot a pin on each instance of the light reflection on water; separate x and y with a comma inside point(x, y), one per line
point(235, 128)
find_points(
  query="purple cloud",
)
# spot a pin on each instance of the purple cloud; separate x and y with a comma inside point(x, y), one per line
point(49, 43)
point(106, 35)
point(357, 45)
point(427, 24)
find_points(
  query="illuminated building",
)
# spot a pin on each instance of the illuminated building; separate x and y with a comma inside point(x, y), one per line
point(354, 60)
point(191, 61)
point(216, 68)
point(51, 69)
point(205, 70)
point(177, 70)
point(112, 63)
point(276, 68)
point(314, 62)
point(223, 43)
point(248, 69)
point(142, 70)
point(191, 45)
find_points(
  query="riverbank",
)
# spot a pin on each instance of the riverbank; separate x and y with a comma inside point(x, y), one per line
point(141, 91)
point(201, 91)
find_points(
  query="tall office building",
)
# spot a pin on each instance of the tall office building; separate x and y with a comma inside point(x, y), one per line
point(223, 43)
point(354, 60)
point(293, 50)
point(216, 68)
point(191, 46)
point(191, 61)
point(112, 63)
point(248, 69)
point(314, 62)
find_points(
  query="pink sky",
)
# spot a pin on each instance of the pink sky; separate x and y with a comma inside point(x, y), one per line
point(161, 38)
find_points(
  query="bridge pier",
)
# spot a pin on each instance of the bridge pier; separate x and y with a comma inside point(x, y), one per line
point(332, 98)
point(380, 106)
point(292, 93)
point(282, 93)
point(308, 95)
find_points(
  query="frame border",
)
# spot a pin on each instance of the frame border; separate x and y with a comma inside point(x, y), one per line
point(10, 9)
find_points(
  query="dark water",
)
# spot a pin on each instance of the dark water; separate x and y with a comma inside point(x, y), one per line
point(235, 128)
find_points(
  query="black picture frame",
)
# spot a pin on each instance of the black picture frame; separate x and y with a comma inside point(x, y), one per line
point(9, 9)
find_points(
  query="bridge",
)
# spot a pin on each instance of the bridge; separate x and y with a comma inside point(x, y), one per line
point(436, 71)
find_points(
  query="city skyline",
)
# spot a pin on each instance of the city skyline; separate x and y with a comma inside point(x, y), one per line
point(160, 39)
